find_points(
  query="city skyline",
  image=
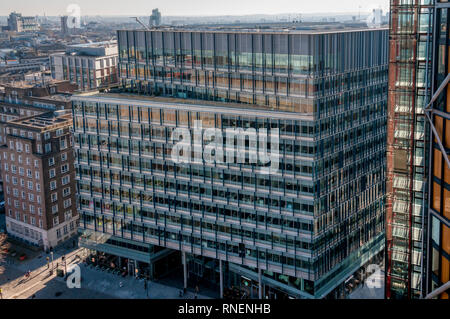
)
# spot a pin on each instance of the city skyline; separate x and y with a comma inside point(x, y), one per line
point(195, 8)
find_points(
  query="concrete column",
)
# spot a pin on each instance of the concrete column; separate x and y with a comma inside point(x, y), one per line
point(260, 293)
point(183, 257)
point(221, 278)
point(150, 270)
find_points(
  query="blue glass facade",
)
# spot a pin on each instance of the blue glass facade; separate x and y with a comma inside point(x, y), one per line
point(315, 219)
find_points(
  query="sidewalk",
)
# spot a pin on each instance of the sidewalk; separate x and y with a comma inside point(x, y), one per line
point(98, 281)
point(95, 283)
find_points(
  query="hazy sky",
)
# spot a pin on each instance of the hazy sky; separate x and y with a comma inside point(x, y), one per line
point(188, 7)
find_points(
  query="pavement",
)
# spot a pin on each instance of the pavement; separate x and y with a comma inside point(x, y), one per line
point(95, 283)
point(373, 287)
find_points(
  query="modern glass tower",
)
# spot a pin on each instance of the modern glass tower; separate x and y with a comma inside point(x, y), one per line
point(415, 163)
point(438, 114)
point(304, 227)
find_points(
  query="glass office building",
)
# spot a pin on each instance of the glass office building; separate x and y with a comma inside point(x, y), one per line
point(438, 113)
point(304, 228)
point(415, 163)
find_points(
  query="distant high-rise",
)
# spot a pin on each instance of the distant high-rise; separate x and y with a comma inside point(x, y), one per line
point(19, 23)
point(155, 18)
point(64, 26)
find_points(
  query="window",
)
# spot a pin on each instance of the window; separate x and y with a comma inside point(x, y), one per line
point(65, 230)
point(58, 231)
point(63, 157)
point(31, 197)
point(33, 221)
point(52, 173)
point(59, 132)
point(46, 135)
point(29, 174)
point(31, 209)
point(52, 185)
point(36, 174)
point(68, 215)
point(14, 169)
point(21, 171)
point(54, 209)
point(38, 187)
point(40, 224)
point(6, 167)
point(54, 197)
point(19, 146)
point(48, 147)
point(39, 211)
point(65, 180)
point(38, 199)
point(27, 148)
point(51, 161)
point(67, 202)
point(64, 168)
point(66, 191)
point(30, 185)
point(63, 144)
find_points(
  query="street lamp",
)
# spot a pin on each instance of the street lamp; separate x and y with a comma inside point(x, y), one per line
point(63, 258)
point(51, 253)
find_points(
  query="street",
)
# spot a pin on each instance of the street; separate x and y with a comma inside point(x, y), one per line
point(95, 283)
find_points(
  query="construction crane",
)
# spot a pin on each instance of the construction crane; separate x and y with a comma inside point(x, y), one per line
point(141, 23)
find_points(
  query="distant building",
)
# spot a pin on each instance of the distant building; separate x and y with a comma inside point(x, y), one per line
point(39, 178)
point(91, 66)
point(19, 23)
point(155, 18)
point(64, 26)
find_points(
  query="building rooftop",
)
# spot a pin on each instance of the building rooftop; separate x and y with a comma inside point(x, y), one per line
point(105, 48)
point(44, 122)
point(31, 84)
point(272, 28)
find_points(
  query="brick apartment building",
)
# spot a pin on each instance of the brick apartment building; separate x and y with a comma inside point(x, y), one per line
point(24, 99)
point(39, 179)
